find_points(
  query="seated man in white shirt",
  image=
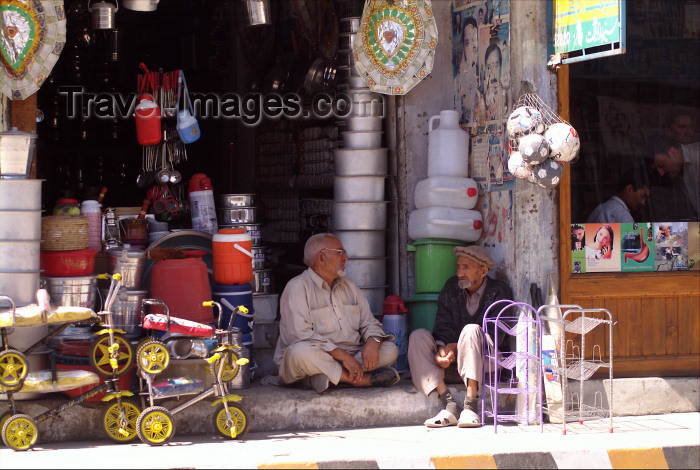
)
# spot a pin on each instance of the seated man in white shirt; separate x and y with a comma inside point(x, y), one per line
point(327, 330)
point(631, 196)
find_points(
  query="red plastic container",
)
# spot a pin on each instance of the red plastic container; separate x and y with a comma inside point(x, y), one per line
point(67, 263)
point(147, 115)
point(233, 257)
point(394, 305)
point(183, 284)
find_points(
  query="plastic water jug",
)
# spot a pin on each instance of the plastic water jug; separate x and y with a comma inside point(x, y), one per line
point(187, 127)
point(448, 146)
point(445, 222)
point(446, 191)
point(147, 115)
point(394, 322)
point(232, 249)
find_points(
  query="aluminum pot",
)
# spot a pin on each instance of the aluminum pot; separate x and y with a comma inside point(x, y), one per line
point(128, 262)
point(359, 215)
point(16, 153)
point(346, 58)
point(347, 41)
point(20, 194)
point(258, 258)
point(127, 313)
point(350, 24)
point(19, 255)
point(236, 215)
point(262, 281)
point(79, 291)
point(366, 271)
point(362, 139)
point(361, 162)
point(20, 225)
point(363, 243)
point(346, 71)
point(20, 286)
point(363, 123)
point(358, 188)
point(236, 200)
point(375, 297)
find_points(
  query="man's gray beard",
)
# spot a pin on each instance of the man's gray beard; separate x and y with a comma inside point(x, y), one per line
point(340, 272)
point(464, 284)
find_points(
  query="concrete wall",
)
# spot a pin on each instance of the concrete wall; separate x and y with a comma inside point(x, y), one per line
point(524, 238)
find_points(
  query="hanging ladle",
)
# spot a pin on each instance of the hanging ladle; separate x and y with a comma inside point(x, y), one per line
point(163, 176)
point(175, 176)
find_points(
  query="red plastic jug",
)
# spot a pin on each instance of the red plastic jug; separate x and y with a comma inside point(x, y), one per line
point(183, 284)
point(147, 117)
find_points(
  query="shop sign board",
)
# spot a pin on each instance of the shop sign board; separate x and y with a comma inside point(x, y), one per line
point(588, 29)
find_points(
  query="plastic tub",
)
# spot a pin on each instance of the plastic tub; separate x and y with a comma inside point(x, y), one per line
point(445, 222)
point(446, 191)
point(67, 263)
point(422, 309)
point(233, 258)
point(435, 262)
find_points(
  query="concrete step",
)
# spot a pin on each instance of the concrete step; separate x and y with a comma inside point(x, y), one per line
point(275, 408)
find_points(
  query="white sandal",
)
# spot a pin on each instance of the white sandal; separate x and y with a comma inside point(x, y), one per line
point(468, 419)
point(442, 419)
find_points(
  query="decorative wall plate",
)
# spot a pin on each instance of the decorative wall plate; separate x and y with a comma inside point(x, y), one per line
point(396, 42)
point(32, 37)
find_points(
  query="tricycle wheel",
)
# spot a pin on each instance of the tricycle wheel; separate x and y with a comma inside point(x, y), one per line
point(154, 426)
point(236, 427)
point(116, 429)
point(100, 356)
point(152, 357)
point(13, 369)
point(3, 418)
point(230, 366)
point(20, 432)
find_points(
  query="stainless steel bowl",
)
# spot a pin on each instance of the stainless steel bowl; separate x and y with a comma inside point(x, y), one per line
point(236, 215)
point(358, 188)
point(361, 162)
point(362, 139)
point(363, 123)
point(237, 200)
point(262, 281)
point(258, 258)
point(363, 243)
point(347, 41)
point(359, 215)
point(350, 25)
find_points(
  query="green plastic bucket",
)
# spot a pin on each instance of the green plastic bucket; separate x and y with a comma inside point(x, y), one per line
point(435, 262)
point(421, 311)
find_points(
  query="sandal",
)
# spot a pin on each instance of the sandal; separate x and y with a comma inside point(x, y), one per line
point(442, 419)
point(468, 419)
point(384, 377)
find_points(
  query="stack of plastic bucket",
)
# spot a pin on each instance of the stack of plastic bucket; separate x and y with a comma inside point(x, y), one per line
point(435, 263)
point(233, 273)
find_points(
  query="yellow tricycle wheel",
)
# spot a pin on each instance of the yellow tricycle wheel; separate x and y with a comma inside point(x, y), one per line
point(20, 432)
point(13, 369)
point(230, 366)
point(3, 419)
point(99, 356)
point(152, 357)
point(120, 423)
point(238, 421)
point(155, 426)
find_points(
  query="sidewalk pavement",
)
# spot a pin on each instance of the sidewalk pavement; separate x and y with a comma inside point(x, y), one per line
point(654, 441)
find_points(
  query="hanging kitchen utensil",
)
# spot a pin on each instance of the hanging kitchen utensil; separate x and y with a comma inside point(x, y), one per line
point(163, 176)
point(395, 47)
point(187, 125)
point(103, 14)
point(32, 37)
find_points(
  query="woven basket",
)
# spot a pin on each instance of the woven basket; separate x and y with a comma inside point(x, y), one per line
point(64, 232)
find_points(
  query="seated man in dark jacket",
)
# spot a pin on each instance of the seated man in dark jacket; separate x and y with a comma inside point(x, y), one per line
point(453, 353)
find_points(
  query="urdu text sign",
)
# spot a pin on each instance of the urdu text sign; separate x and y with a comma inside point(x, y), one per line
point(585, 29)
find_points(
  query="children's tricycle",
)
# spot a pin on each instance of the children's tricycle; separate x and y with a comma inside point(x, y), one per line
point(155, 423)
point(109, 352)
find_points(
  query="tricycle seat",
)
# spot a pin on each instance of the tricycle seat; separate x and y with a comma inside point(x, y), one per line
point(159, 321)
point(34, 315)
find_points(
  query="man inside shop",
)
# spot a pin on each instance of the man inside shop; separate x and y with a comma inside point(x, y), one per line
point(453, 352)
point(628, 201)
point(675, 180)
point(328, 334)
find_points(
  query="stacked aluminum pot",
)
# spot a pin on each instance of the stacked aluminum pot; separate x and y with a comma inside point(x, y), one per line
point(361, 164)
point(239, 211)
point(20, 241)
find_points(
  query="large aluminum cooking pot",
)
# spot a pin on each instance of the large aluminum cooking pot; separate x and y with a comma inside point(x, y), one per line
point(20, 225)
point(236, 215)
point(363, 123)
point(20, 194)
point(358, 188)
point(127, 312)
point(359, 215)
point(16, 153)
point(375, 297)
point(363, 243)
point(350, 24)
point(20, 286)
point(236, 200)
point(78, 291)
point(262, 281)
point(366, 271)
point(361, 162)
point(19, 255)
point(128, 262)
point(362, 139)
